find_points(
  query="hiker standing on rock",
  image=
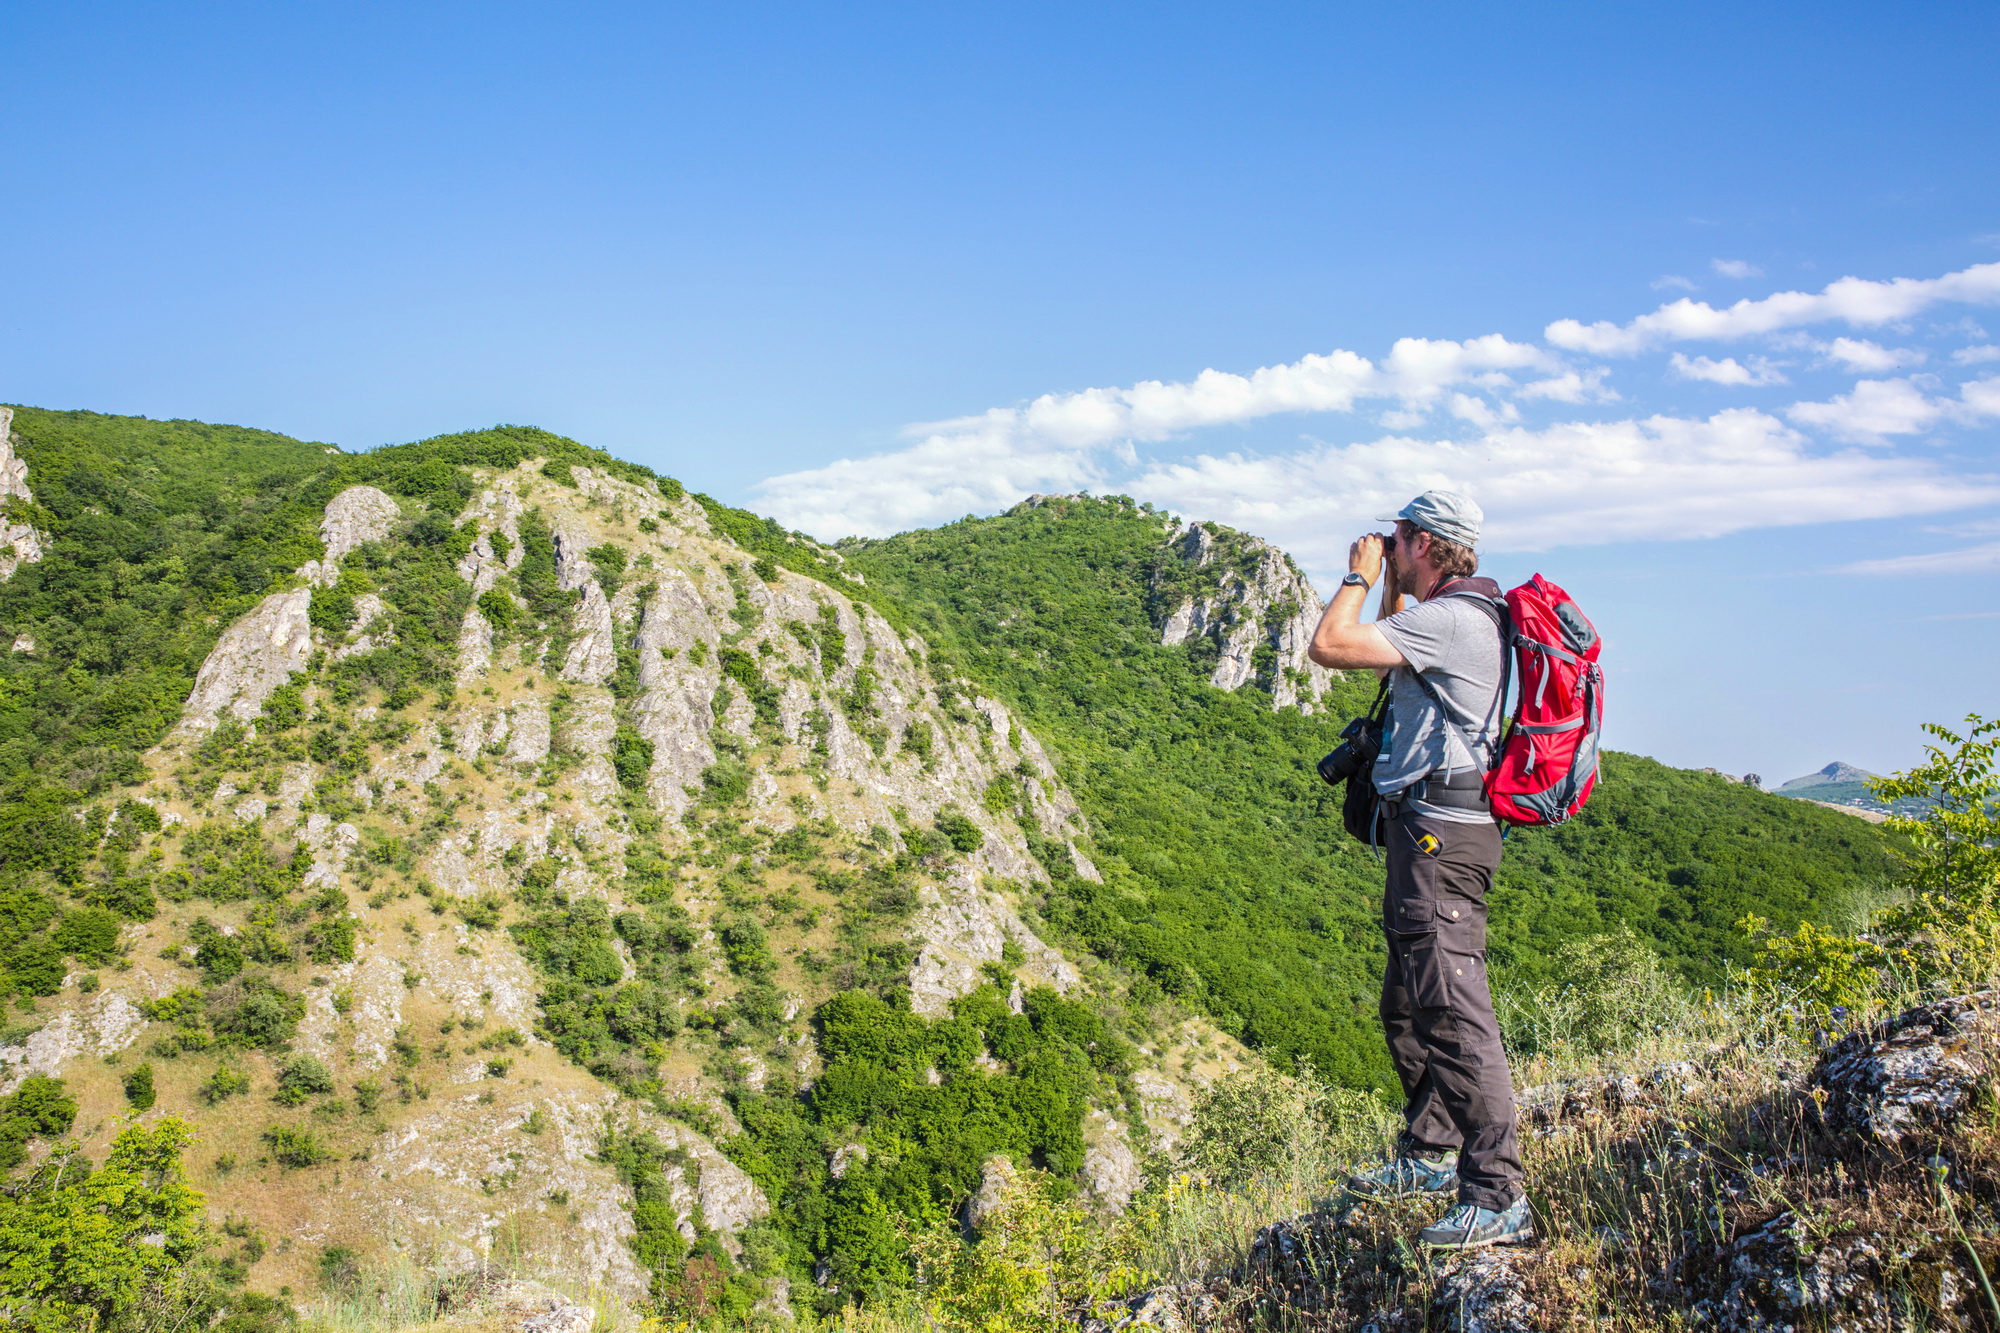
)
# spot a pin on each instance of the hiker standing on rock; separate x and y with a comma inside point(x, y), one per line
point(1438, 640)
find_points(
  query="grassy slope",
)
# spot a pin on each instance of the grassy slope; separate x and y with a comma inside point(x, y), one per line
point(1227, 876)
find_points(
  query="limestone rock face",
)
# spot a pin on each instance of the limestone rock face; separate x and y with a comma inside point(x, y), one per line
point(358, 514)
point(104, 1027)
point(1915, 1073)
point(994, 1177)
point(253, 657)
point(1252, 604)
point(1111, 1170)
point(963, 928)
point(19, 543)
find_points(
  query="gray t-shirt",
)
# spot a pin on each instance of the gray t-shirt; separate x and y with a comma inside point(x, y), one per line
point(1456, 646)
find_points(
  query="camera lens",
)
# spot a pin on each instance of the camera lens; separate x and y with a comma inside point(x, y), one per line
point(1389, 543)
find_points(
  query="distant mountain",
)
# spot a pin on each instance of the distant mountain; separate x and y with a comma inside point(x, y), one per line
point(1845, 785)
point(1835, 772)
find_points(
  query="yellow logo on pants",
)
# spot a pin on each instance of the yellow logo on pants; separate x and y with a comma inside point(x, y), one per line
point(1429, 844)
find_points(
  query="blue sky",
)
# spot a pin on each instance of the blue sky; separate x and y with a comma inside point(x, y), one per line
point(769, 249)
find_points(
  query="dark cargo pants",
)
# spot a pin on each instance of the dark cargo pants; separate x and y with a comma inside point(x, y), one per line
point(1436, 1009)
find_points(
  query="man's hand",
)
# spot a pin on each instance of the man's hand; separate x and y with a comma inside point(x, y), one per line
point(1341, 640)
point(1364, 557)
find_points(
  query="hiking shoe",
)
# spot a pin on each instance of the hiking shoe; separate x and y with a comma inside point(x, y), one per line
point(1408, 1177)
point(1470, 1227)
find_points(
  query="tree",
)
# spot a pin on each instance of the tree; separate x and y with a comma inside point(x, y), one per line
point(1946, 930)
point(80, 1247)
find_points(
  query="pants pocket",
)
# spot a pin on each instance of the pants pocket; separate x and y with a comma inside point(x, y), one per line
point(1462, 974)
point(1424, 969)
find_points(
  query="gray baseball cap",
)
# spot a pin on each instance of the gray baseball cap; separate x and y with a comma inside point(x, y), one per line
point(1446, 514)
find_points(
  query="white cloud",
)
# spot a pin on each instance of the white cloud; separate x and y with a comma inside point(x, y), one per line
point(993, 459)
point(1673, 282)
point(1572, 482)
point(1875, 410)
point(1571, 387)
point(1981, 398)
point(1578, 483)
point(1857, 301)
point(1728, 370)
point(1735, 268)
point(1480, 412)
point(1872, 358)
point(1973, 356)
point(1972, 560)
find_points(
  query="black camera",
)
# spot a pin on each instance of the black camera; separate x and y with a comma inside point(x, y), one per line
point(1389, 543)
point(1361, 741)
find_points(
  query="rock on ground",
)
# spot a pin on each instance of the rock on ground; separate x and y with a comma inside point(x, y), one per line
point(1483, 1292)
point(1918, 1071)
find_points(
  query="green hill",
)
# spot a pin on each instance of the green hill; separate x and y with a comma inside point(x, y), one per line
point(1227, 878)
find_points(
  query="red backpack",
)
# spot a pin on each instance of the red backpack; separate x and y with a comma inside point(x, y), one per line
point(1547, 766)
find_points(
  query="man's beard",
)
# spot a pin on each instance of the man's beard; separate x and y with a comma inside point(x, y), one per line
point(1406, 580)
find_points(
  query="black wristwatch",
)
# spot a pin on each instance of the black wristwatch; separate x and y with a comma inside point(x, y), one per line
point(1355, 580)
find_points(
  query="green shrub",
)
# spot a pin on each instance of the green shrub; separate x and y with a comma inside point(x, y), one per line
point(301, 1077)
point(725, 783)
point(253, 1011)
point(1945, 930)
point(1260, 1122)
point(227, 1081)
point(139, 1088)
point(295, 1148)
point(88, 933)
point(331, 941)
point(95, 1248)
point(1607, 992)
point(631, 758)
point(36, 1109)
point(339, 1269)
point(962, 833)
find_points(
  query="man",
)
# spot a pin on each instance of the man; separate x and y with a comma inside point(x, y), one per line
point(1443, 655)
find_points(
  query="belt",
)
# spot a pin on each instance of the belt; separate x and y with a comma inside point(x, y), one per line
point(1463, 790)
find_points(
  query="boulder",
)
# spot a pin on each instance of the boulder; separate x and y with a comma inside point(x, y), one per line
point(1484, 1291)
point(1913, 1074)
point(1780, 1275)
point(1186, 1308)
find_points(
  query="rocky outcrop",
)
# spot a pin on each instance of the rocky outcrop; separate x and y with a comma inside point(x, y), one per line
point(103, 1028)
point(253, 657)
point(489, 1299)
point(996, 1176)
point(1485, 1292)
point(358, 514)
point(1912, 1075)
point(1243, 600)
point(1782, 1275)
point(964, 928)
point(1822, 1203)
point(1111, 1169)
point(20, 544)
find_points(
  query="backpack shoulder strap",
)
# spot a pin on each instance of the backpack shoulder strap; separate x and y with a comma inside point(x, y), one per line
point(1496, 610)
